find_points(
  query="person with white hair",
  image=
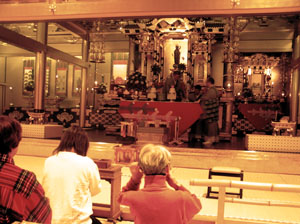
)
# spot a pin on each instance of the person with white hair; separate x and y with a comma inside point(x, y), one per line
point(157, 203)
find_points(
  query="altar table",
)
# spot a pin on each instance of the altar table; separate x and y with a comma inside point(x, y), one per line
point(188, 113)
point(42, 130)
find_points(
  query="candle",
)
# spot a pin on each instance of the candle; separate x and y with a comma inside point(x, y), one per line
point(96, 83)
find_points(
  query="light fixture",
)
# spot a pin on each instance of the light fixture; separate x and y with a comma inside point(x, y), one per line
point(235, 3)
point(249, 71)
point(52, 6)
point(268, 71)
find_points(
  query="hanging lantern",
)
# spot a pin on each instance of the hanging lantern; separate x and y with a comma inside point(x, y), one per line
point(97, 53)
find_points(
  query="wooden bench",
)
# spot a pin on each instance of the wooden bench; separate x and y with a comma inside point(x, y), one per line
point(225, 172)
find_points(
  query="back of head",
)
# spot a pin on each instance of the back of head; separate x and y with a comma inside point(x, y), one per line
point(198, 87)
point(153, 159)
point(74, 138)
point(10, 134)
point(210, 80)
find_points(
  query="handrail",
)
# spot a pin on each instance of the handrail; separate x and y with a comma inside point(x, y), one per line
point(263, 202)
point(247, 185)
point(223, 184)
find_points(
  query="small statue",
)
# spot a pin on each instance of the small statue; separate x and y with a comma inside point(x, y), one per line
point(172, 94)
point(177, 55)
point(152, 93)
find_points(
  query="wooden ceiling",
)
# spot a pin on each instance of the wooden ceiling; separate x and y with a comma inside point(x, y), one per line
point(44, 10)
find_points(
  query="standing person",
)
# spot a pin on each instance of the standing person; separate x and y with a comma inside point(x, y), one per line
point(156, 203)
point(22, 198)
point(71, 179)
point(175, 80)
point(210, 104)
point(196, 132)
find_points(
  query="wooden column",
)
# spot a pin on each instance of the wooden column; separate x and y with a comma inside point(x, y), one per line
point(130, 68)
point(150, 62)
point(40, 68)
point(294, 97)
point(143, 58)
point(83, 98)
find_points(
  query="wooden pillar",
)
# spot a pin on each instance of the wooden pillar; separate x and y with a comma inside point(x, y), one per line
point(150, 62)
point(294, 97)
point(143, 57)
point(40, 69)
point(221, 205)
point(130, 68)
point(83, 98)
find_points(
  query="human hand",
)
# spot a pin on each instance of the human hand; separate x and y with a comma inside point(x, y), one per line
point(136, 173)
point(171, 181)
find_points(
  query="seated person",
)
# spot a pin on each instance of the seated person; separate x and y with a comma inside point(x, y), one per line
point(22, 197)
point(71, 179)
point(156, 203)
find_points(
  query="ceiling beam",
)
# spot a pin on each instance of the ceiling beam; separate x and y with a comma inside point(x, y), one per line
point(21, 41)
point(75, 28)
point(29, 44)
point(60, 55)
point(142, 8)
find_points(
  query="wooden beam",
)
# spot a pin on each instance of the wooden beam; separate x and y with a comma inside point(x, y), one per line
point(29, 44)
point(57, 54)
point(141, 8)
point(75, 28)
point(21, 41)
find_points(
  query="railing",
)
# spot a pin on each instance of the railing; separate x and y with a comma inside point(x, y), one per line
point(223, 184)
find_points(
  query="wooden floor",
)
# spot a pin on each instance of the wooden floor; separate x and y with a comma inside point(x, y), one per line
point(183, 175)
point(237, 143)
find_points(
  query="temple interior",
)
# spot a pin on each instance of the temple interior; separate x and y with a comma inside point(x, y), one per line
point(109, 68)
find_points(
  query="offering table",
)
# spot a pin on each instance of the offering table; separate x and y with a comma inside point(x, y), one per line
point(183, 112)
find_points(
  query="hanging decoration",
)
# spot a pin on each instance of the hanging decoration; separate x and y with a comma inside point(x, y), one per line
point(97, 53)
point(146, 42)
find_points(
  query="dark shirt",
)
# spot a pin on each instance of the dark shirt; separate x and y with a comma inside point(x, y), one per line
point(21, 195)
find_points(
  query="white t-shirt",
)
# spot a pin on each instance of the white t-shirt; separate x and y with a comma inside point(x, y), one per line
point(70, 181)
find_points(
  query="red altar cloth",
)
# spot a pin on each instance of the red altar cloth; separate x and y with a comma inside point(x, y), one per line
point(155, 110)
point(259, 115)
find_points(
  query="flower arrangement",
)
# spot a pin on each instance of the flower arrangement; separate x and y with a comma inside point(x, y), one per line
point(136, 82)
point(156, 69)
point(181, 67)
point(247, 93)
point(101, 89)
